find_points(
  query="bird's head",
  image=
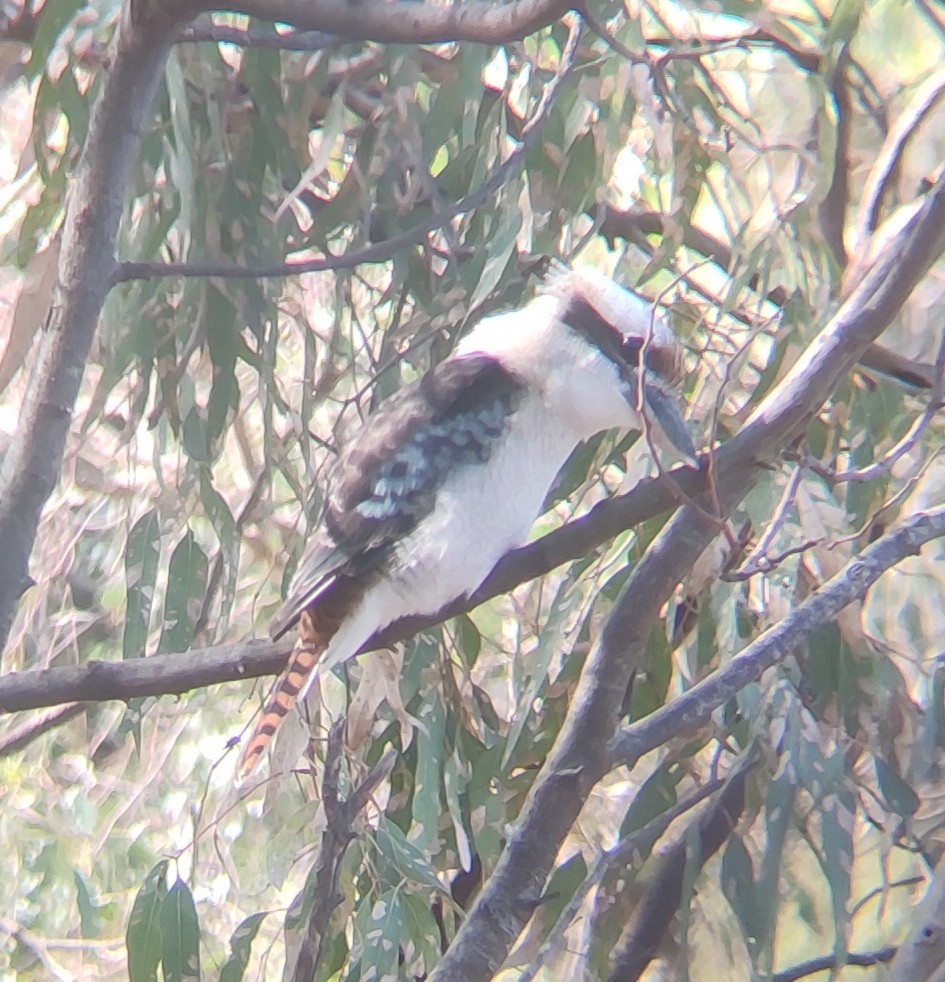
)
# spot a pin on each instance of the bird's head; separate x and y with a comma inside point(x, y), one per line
point(583, 340)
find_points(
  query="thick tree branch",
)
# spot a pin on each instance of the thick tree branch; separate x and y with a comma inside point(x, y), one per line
point(96, 194)
point(380, 251)
point(179, 673)
point(95, 681)
point(410, 21)
point(174, 674)
point(694, 708)
point(656, 910)
point(583, 751)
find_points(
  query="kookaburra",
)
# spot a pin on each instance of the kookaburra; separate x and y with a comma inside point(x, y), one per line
point(450, 472)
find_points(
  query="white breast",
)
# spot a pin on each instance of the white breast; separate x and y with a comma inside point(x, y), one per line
point(481, 513)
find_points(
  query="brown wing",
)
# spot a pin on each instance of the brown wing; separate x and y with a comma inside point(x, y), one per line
point(386, 481)
point(322, 562)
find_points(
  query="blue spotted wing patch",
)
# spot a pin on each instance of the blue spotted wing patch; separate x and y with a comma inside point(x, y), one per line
point(387, 481)
point(405, 485)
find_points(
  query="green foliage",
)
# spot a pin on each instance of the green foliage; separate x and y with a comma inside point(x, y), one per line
point(180, 935)
point(240, 947)
point(212, 408)
point(144, 938)
point(163, 931)
point(141, 566)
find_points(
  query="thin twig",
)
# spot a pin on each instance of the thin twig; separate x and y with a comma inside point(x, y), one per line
point(826, 963)
point(612, 42)
point(648, 435)
point(767, 564)
point(628, 223)
point(833, 207)
point(695, 707)
point(880, 177)
point(757, 560)
point(38, 946)
point(908, 442)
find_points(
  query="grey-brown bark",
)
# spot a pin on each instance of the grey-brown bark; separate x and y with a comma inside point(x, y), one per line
point(31, 464)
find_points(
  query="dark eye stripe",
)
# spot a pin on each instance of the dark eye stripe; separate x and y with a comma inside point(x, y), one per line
point(581, 317)
point(623, 350)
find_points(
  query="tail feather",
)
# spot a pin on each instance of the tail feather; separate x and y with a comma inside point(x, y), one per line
point(330, 632)
point(293, 680)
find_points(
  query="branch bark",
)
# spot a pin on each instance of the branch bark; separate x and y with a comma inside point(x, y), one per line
point(694, 708)
point(321, 889)
point(657, 908)
point(922, 954)
point(409, 21)
point(93, 209)
point(178, 673)
point(826, 963)
point(21, 737)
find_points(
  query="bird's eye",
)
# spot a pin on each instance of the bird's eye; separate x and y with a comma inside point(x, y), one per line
point(630, 346)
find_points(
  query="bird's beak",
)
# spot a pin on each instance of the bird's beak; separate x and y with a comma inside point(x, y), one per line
point(668, 418)
point(665, 417)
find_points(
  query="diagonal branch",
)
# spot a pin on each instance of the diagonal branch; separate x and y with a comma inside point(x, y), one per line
point(178, 673)
point(883, 171)
point(631, 223)
point(626, 851)
point(174, 674)
point(21, 737)
point(31, 464)
point(694, 708)
point(826, 963)
point(653, 915)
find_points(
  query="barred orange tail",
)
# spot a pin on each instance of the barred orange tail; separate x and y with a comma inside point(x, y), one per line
point(291, 682)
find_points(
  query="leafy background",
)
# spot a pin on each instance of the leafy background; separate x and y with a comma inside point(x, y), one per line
point(212, 406)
